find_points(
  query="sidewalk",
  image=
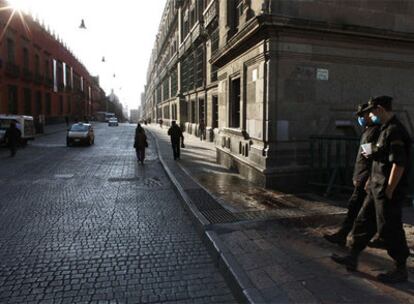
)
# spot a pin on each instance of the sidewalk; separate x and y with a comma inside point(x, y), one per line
point(269, 244)
point(52, 129)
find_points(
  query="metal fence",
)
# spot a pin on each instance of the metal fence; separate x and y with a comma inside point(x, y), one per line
point(332, 160)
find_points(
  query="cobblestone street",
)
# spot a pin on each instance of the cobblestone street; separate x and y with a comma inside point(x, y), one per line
point(88, 224)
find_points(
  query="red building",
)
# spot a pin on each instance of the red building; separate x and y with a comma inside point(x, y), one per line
point(40, 76)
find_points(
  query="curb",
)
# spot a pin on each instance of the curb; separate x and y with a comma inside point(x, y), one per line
point(233, 273)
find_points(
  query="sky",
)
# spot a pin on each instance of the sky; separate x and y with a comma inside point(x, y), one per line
point(122, 31)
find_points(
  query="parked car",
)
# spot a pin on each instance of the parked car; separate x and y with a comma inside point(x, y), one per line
point(24, 123)
point(113, 122)
point(80, 133)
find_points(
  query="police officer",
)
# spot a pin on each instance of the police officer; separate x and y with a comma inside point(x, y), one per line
point(387, 188)
point(361, 174)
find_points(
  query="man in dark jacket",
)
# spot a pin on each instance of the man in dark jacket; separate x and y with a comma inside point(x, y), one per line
point(361, 174)
point(175, 134)
point(12, 136)
point(388, 185)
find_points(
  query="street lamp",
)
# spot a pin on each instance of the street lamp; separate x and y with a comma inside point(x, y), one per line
point(82, 25)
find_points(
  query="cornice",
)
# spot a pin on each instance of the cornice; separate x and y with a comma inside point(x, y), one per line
point(265, 26)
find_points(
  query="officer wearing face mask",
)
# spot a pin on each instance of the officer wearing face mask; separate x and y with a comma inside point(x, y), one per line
point(388, 185)
point(361, 174)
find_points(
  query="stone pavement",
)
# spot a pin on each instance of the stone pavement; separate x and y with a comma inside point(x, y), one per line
point(269, 244)
point(90, 225)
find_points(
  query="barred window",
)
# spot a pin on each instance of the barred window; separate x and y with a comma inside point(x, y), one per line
point(214, 48)
point(174, 83)
point(190, 75)
point(166, 89)
point(187, 73)
point(159, 94)
point(214, 40)
point(199, 66)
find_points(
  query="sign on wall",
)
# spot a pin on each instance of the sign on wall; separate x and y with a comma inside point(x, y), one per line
point(322, 74)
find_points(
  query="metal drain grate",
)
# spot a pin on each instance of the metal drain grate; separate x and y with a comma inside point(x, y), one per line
point(210, 208)
point(123, 179)
point(217, 214)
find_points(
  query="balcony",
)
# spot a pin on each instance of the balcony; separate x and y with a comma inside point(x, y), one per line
point(27, 75)
point(12, 70)
point(38, 79)
point(210, 13)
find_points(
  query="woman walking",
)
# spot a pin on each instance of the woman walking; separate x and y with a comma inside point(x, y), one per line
point(140, 143)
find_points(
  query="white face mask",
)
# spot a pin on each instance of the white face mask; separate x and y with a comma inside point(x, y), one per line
point(376, 120)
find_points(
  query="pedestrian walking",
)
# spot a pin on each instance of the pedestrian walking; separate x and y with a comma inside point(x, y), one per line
point(12, 137)
point(176, 135)
point(140, 143)
point(67, 121)
point(387, 188)
point(160, 121)
point(362, 170)
point(202, 129)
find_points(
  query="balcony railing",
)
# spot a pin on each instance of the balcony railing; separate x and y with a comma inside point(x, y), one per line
point(12, 70)
point(210, 13)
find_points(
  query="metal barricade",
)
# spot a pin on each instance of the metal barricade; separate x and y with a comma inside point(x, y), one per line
point(332, 160)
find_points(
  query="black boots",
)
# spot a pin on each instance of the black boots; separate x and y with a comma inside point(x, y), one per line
point(336, 238)
point(349, 261)
point(398, 275)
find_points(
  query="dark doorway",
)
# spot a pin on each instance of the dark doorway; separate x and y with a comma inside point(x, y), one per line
point(215, 112)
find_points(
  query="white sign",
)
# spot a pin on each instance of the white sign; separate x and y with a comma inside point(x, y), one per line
point(322, 74)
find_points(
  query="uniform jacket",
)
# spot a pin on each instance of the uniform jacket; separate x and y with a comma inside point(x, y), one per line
point(362, 167)
point(393, 147)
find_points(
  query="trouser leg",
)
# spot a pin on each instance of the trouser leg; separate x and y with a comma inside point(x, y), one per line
point(142, 154)
point(178, 150)
point(392, 228)
point(354, 206)
point(175, 146)
point(138, 154)
point(365, 226)
point(13, 150)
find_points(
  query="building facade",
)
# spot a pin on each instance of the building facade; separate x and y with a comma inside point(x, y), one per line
point(265, 75)
point(39, 76)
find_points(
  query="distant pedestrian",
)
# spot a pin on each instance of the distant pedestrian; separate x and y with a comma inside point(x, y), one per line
point(12, 136)
point(160, 123)
point(362, 172)
point(387, 189)
point(140, 143)
point(176, 135)
point(202, 130)
point(67, 121)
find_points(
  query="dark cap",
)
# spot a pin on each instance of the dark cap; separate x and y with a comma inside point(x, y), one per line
point(361, 109)
point(374, 102)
